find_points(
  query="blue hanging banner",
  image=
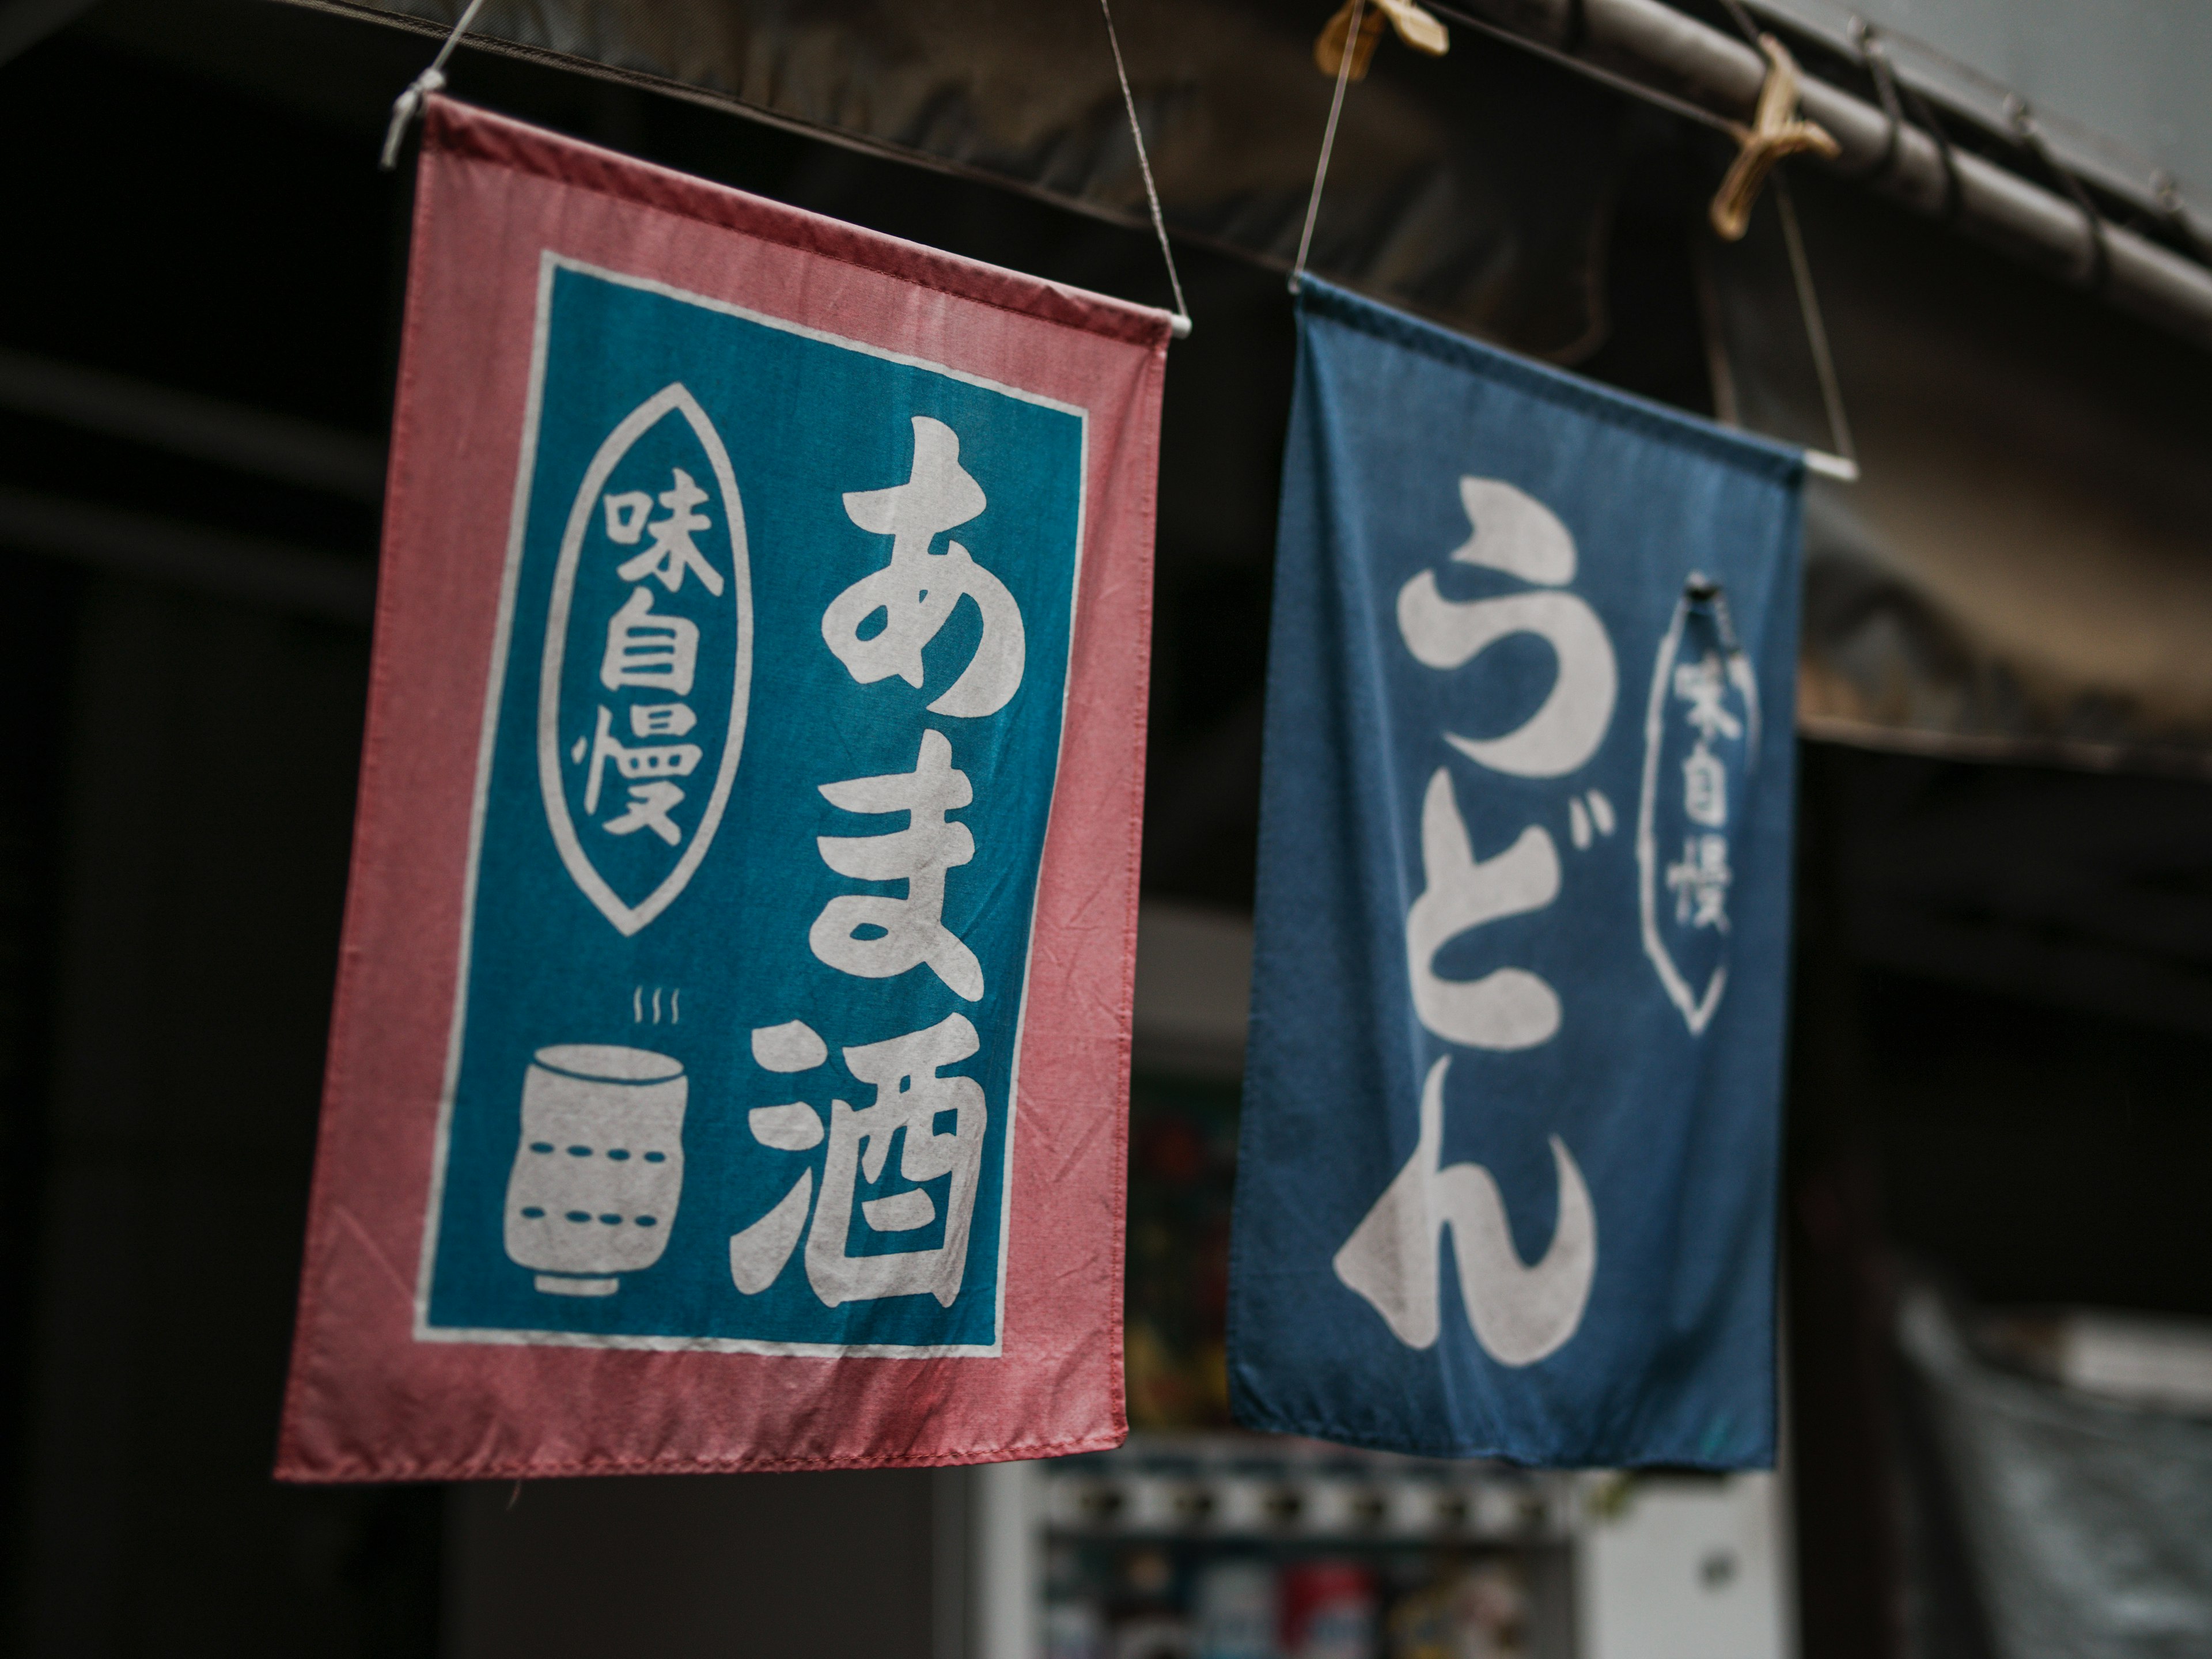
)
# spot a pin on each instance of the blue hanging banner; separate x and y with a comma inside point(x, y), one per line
point(1507, 1181)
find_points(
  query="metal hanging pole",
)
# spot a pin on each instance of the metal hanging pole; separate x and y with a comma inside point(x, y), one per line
point(1619, 40)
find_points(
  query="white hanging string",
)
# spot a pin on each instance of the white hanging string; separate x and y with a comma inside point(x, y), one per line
point(409, 104)
point(1327, 143)
point(1843, 463)
point(1181, 326)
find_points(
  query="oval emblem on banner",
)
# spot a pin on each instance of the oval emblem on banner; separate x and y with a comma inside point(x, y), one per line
point(648, 660)
point(1700, 732)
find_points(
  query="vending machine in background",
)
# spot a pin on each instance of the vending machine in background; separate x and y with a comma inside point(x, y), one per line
point(1196, 1541)
point(1234, 1546)
point(1239, 1547)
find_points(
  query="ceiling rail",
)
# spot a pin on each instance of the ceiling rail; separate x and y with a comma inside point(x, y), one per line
point(1668, 52)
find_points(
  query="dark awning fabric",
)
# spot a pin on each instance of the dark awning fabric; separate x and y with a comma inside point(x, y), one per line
point(1470, 188)
point(2024, 570)
point(2117, 89)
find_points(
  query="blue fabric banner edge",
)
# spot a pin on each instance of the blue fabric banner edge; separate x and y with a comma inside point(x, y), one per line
point(1758, 455)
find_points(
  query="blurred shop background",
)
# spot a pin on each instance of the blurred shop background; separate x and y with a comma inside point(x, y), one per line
point(1998, 1246)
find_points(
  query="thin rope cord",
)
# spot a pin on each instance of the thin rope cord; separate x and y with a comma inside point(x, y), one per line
point(1182, 326)
point(1742, 18)
point(409, 104)
point(1327, 143)
point(1824, 363)
point(1816, 332)
point(460, 28)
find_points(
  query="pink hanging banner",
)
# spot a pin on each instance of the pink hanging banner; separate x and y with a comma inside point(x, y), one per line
point(729, 1061)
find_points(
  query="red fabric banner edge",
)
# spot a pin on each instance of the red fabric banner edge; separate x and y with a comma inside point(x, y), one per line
point(505, 143)
point(464, 130)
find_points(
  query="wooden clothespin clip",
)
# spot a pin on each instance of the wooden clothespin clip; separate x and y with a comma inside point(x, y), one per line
point(1416, 28)
point(1775, 132)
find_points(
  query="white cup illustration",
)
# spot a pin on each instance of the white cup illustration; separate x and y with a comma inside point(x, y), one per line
point(599, 1167)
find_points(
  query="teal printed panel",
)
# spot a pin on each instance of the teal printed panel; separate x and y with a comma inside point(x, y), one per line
point(772, 738)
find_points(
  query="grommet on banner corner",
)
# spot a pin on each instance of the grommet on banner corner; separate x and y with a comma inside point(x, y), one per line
point(1710, 596)
point(409, 104)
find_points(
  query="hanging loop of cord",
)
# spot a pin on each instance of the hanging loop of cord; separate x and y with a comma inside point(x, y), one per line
point(2030, 135)
point(1875, 57)
point(409, 104)
point(1180, 325)
point(1344, 65)
point(1776, 132)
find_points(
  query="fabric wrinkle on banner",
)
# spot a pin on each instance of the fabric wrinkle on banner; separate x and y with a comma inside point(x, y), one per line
point(730, 1060)
point(1506, 1184)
